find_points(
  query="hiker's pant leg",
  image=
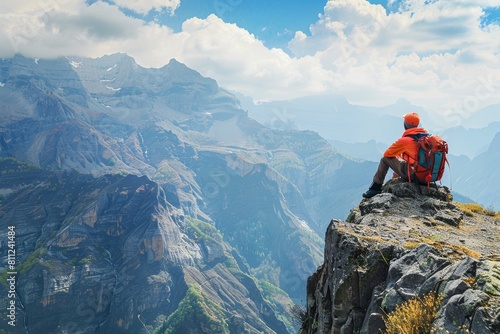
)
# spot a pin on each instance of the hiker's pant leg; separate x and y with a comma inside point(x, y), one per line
point(396, 164)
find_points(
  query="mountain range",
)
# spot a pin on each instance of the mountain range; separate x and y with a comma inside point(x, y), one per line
point(137, 192)
point(364, 132)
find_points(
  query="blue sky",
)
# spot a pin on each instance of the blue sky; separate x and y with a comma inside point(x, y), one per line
point(491, 15)
point(442, 55)
point(273, 22)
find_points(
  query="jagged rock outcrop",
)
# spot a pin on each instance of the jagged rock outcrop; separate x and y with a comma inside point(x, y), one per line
point(405, 243)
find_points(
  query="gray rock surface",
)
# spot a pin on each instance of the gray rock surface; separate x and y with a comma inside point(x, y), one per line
point(399, 245)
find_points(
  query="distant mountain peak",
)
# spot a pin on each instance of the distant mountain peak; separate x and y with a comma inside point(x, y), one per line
point(173, 62)
point(402, 100)
point(180, 72)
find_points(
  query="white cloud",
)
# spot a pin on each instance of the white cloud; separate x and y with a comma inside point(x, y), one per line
point(436, 54)
point(52, 31)
point(240, 61)
point(39, 7)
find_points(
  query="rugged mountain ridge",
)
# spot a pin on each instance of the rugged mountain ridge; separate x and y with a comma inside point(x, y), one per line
point(402, 244)
point(112, 251)
point(223, 198)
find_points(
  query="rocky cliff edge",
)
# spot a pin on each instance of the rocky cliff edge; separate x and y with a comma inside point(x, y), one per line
point(405, 243)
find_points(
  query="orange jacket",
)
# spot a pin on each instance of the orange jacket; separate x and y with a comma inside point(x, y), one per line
point(405, 147)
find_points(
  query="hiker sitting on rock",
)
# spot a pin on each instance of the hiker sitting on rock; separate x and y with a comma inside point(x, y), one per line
point(398, 155)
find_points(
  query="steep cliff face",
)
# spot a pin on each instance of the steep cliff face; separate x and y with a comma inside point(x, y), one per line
point(112, 255)
point(404, 244)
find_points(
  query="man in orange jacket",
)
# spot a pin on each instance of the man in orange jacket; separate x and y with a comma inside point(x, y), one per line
point(401, 153)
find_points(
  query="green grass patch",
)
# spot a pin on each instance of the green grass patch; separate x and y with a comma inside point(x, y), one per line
point(195, 314)
point(11, 165)
point(199, 231)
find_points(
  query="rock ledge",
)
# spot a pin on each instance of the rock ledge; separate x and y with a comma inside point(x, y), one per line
point(406, 242)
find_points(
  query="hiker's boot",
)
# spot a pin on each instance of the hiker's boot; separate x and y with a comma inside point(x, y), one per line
point(375, 189)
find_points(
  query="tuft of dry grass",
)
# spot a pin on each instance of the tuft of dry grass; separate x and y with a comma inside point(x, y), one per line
point(471, 281)
point(414, 316)
point(467, 251)
point(411, 244)
point(434, 243)
point(471, 208)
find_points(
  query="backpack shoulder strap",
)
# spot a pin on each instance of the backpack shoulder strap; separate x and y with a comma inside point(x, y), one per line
point(417, 136)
